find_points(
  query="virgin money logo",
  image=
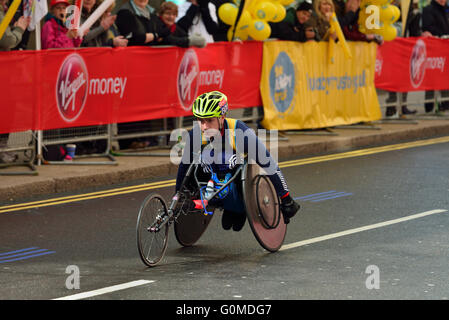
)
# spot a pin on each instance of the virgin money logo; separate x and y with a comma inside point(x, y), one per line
point(418, 63)
point(72, 87)
point(188, 79)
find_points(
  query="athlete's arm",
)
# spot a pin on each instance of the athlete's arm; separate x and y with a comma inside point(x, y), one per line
point(186, 160)
point(257, 152)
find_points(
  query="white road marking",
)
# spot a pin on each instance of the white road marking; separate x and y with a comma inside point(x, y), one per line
point(127, 285)
point(98, 292)
point(360, 229)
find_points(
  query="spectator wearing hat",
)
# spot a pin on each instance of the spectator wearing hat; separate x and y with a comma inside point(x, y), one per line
point(302, 29)
point(54, 33)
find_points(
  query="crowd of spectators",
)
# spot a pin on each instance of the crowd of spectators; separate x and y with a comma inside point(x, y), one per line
point(197, 23)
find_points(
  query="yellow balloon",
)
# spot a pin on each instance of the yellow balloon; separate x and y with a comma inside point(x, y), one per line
point(389, 14)
point(241, 34)
point(388, 32)
point(363, 16)
point(285, 2)
point(245, 19)
point(228, 13)
point(259, 30)
point(252, 4)
point(380, 2)
point(375, 2)
point(396, 14)
point(280, 13)
point(264, 10)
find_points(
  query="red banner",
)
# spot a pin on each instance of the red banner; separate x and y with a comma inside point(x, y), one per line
point(413, 64)
point(80, 87)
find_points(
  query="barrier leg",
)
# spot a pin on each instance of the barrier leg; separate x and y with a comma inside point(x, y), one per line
point(18, 150)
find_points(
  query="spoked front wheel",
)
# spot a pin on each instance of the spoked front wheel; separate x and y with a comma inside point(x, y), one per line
point(152, 233)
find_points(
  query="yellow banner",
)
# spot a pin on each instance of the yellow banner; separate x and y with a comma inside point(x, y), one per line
point(301, 90)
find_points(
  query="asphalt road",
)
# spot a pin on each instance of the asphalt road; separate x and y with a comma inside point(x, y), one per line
point(357, 236)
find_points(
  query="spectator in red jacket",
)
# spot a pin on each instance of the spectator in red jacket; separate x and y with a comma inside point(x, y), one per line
point(54, 33)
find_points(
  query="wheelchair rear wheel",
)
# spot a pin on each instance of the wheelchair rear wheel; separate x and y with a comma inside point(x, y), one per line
point(263, 208)
point(267, 203)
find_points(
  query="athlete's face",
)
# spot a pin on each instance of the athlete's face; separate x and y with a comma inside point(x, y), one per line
point(211, 126)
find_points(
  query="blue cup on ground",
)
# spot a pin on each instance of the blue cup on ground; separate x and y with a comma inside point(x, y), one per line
point(70, 149)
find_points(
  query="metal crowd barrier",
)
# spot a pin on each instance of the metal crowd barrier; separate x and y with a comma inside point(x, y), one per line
point(414, 101)
point(142, 137)
point(91, 142)
point(155, 134)
point(27, 148)
point(18, 149)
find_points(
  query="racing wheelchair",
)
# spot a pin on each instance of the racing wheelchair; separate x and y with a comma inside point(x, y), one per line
point(261, 204)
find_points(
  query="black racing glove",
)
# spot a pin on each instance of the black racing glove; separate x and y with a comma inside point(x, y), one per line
point(289, 207)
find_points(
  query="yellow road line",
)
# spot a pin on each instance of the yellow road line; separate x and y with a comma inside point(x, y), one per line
point(170, 183)
point(86, 196)
point(363, 152)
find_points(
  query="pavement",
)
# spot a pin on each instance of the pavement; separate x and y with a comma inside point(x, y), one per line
point(52, 179)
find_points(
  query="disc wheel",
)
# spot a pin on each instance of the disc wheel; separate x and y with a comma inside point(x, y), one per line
point(267, 203)
point(262, 209)
point(191, 224)
point(152, 240)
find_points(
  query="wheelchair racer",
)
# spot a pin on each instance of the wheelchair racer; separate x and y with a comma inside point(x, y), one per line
point(210, 110)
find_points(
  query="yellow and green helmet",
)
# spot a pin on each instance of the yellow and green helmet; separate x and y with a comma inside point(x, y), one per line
point(210, 104)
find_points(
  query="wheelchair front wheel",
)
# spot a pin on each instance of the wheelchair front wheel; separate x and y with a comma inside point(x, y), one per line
point(152, 233)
